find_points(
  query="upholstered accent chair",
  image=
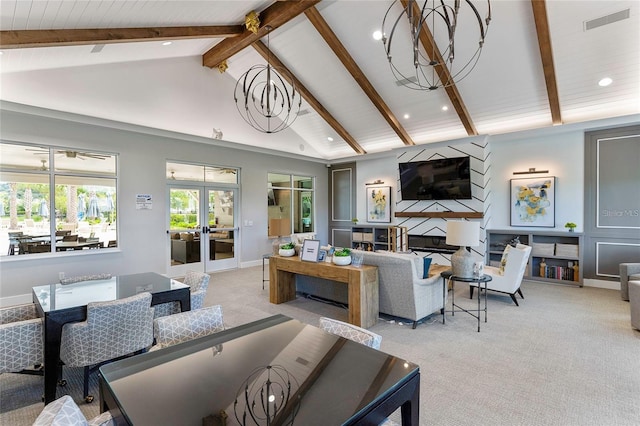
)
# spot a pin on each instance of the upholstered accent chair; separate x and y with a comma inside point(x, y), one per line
point(64, 412)
point(184, 326)
point(21, 338)
point(112, 330)
point(351, 332)
point(628, 271)
point(199, 283)
point(508, 279)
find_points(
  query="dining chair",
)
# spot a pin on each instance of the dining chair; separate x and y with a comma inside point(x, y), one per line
point(198, 283)
point(351, 332)
point(64, 412)
point(112, 330)
point(21, 338)
point(358, 335)
point(184, 326)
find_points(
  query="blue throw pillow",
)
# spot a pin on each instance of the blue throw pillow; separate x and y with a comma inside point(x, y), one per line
point(426, 265)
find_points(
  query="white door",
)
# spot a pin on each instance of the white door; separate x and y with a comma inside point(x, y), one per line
point(202, 229)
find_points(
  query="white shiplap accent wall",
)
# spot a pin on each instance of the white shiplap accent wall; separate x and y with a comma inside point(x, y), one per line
point(478, 150)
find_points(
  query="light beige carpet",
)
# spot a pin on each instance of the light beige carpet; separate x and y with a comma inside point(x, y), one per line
point(566, 356)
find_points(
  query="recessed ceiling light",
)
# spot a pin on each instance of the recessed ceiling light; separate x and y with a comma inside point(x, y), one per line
point(166, 43)
point(605, 82)
point(406, 116)
point(377, 35)
point(330, 139)
point(445, 108)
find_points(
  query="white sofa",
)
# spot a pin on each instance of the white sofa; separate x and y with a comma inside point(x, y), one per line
point(403, 291)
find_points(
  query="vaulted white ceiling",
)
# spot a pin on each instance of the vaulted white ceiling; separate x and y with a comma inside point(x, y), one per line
point(167, 87)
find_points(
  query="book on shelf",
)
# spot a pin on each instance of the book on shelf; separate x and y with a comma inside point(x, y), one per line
point(563, 273)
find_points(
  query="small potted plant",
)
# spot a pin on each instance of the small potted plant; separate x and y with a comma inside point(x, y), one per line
point(287, 250)
point(570, 226)
point(342, 257)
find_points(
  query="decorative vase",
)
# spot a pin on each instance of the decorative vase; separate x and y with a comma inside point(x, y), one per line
point(287, 252)
point(342, 260)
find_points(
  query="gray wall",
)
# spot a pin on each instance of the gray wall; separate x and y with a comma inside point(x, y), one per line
point(142, 233)
point(561, 150)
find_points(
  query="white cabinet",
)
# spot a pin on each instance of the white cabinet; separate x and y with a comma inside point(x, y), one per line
point(555, 256)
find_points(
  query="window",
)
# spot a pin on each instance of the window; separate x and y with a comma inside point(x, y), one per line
point(290, 204)
point(56, 199)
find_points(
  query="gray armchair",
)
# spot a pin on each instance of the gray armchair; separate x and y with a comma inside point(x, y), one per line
point(21, 338)
point(628, 271)
point(112, 330)
point(634, 303)
point(198, 283)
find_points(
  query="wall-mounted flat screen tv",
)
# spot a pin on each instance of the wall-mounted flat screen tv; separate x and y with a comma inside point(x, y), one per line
point(439, 179)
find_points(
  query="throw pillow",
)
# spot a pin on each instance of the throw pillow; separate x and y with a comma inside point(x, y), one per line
point(425, 268)
point(503, 261)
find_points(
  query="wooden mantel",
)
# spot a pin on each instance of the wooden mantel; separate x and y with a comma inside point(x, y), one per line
point(450, 215)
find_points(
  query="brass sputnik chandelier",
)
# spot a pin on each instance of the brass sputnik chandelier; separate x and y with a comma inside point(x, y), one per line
point(421, 48)
point(265, 99)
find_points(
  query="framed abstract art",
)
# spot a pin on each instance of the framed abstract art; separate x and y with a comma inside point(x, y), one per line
point(533, 201)
point(379, 204)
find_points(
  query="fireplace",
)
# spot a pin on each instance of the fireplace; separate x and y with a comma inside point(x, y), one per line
point(430, 243)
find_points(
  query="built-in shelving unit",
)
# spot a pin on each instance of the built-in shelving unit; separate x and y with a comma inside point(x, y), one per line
point(556, 257)
point(370, 238)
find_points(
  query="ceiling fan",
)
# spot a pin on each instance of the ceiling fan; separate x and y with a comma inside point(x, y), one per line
point(71, 154)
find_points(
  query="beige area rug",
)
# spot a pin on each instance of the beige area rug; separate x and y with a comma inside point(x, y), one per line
point(567, 356)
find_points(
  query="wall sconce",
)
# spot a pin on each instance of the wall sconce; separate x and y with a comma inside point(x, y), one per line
point(377, 182)
point(532, 170)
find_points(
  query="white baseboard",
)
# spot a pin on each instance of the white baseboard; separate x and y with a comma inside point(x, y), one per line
point(254, 263)
point(611, 285)
point(15, 300)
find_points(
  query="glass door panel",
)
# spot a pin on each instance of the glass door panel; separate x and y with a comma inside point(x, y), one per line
point(185, 230)
point(222, 229)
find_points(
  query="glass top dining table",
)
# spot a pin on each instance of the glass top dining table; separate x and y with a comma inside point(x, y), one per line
point(275, 371)
point(60, 304)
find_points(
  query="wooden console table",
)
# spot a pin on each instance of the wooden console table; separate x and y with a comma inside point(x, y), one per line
point(362, 282)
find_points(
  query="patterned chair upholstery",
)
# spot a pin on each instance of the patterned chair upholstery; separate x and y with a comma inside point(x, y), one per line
point(112, 330)
point(184, 326)
point(64, 412)
point(21, 338)
point(358, 335)
point(351, 332)
point(199, 283)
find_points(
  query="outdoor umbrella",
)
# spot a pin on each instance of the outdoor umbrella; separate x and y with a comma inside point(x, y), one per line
point(43, 210)
point(93, 210)
point(109, 207)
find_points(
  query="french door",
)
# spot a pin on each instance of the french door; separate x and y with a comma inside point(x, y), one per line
point(202, 231)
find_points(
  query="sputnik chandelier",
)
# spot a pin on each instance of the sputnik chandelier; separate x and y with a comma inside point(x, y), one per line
point(422, 47)
point(264, 99)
